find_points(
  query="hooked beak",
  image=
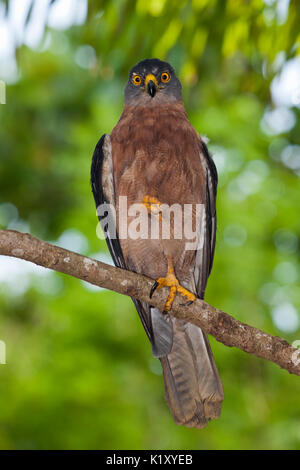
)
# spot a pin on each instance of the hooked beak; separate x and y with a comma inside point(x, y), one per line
point(151, 84)
point(151, 88)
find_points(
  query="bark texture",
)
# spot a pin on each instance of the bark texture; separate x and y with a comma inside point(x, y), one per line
point(217, 323)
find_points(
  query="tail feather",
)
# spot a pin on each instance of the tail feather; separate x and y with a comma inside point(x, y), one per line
point(193, 387)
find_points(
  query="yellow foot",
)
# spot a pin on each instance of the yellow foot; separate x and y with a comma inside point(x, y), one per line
point(171, 281)
point(153, 205)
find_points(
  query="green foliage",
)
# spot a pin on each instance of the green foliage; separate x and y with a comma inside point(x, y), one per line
point(79, 370)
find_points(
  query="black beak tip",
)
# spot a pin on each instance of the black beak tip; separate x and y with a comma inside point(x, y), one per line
point(151, 88)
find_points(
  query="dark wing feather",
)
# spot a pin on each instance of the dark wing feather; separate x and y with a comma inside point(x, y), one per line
point(101, 198)
point(204, 256)
point(211, 195)
point(104, 193)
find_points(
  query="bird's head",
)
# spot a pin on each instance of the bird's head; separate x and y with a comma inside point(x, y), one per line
point(152, 81)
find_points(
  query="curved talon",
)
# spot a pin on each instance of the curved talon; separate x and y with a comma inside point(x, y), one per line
point(187, 304)
point(153, 289)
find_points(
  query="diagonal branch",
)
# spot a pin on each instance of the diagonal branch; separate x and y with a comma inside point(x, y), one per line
point(219, 324)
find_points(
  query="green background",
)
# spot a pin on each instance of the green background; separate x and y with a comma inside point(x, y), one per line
point(79, 372)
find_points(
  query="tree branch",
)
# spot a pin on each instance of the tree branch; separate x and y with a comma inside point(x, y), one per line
point(219, 324)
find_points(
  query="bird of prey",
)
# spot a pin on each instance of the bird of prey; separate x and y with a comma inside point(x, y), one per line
point(155, 157)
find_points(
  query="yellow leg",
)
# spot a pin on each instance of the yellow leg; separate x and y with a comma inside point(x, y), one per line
point(171, 281)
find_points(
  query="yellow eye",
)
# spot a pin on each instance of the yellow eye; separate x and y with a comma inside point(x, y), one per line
point(165, 77)
point(137, 80)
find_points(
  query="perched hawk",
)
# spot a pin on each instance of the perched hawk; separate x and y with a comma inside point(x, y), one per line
point(154, 158)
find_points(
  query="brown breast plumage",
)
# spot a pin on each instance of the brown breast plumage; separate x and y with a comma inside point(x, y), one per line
point(156, 152)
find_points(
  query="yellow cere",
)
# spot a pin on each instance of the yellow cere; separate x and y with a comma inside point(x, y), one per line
point(149, 77)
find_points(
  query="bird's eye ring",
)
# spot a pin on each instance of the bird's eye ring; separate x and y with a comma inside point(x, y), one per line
point(137, 80)
point(165, 77)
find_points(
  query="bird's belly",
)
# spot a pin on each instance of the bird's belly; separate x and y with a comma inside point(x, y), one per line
point(147, 244)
